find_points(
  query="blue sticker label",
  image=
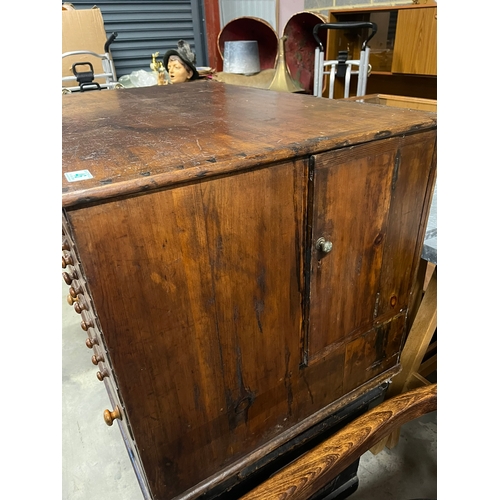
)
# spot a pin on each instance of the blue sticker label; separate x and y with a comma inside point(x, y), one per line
point(80, 175)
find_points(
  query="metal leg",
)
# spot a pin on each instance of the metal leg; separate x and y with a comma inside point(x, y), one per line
point(316, 72)
point(363, 72)
point(347, 80)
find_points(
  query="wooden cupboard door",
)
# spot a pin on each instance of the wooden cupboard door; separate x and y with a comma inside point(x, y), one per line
point(199, 293)
point(352, 194)
point(371, 203)
point(415, 45)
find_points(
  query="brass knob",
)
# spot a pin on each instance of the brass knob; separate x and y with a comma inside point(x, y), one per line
point(96, 359)
point(323, 245)
point(72, 300)
point(110, 416)
point(90, 343)
point(102, 375)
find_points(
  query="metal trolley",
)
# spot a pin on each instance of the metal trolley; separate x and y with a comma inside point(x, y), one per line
point(85, 79)
point(342, 67)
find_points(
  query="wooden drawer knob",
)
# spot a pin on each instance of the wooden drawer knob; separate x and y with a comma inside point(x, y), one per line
point(86, 325)
point(67, 260)
point(67, 278)
point(72, 300)
point(102, 375)
point(75, 290)
point(97, 359)
point(111, 416)
point(90, 343)
point(65, 245)
point(79, 306)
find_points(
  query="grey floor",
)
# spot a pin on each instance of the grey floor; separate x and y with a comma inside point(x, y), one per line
point(96, 465)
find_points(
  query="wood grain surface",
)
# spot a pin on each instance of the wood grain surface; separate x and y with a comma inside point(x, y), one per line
point(415, 47)
point(315, 469)
point(137, 140)
point(226, 331)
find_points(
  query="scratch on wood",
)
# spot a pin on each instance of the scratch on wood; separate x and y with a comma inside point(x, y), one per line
point(259, 309)
point(307, 385)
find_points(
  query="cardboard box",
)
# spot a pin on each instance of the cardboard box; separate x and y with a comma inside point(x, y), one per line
point(82, 30)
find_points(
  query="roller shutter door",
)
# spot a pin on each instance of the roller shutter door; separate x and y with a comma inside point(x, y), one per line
point(152, 26)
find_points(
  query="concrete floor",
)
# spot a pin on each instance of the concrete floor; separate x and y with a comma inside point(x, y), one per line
point(96, 464)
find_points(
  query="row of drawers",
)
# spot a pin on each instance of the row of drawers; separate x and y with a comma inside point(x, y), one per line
point(79, 297)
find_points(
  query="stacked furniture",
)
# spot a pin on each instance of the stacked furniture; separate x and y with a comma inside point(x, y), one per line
point(403, 53)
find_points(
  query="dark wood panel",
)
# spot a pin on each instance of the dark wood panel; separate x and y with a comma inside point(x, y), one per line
point(424, 87)
point(352, 195)
point(407, 221)
point(373, 353)
point(191, 303)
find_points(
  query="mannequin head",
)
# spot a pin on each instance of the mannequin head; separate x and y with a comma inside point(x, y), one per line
point(177, 70)
point(180, 63)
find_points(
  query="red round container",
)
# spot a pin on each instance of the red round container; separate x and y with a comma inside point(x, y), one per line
point(300, 45)
point(252, 28)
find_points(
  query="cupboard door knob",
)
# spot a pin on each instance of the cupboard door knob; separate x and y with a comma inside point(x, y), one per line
point(110, 416)
point(323, 245)
point(102, 375)
point(65, 245)
point(75, 291)
point(96, 359)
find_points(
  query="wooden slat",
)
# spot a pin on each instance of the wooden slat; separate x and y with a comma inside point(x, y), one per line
point(417, 380)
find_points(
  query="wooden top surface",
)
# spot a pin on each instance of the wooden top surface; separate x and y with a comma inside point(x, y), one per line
point(135, 140)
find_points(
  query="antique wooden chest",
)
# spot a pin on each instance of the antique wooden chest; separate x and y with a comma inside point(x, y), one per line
point(242, 261)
